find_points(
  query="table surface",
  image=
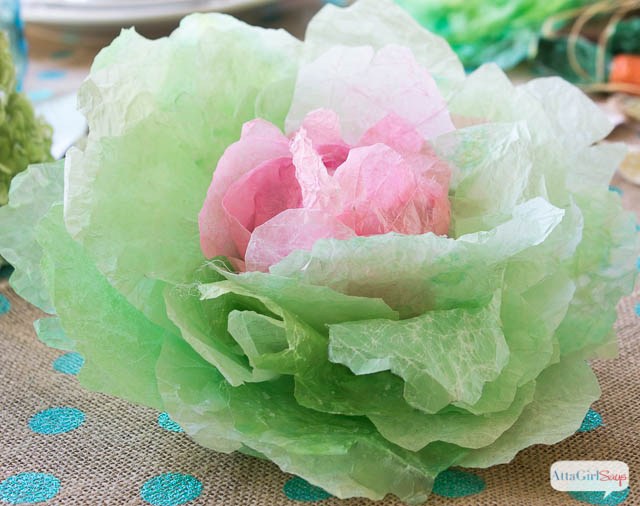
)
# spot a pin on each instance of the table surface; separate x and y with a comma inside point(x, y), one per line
point(119, 449)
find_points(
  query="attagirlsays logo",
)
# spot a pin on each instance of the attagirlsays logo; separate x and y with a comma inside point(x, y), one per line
point(589, 475)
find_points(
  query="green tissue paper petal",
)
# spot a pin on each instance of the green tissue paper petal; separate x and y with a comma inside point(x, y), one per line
point(120, 346)
point(606, 236)
point(413, 274)
point(203, 325)
point(302, 350)
point(51, 333)
point(377, 23)
point(160, 115)
point(443, 356)
point(321, 448)
point(257, 334)
point(540, 102)
point(317, 305)
point(33, 192)
point(461, 428)
point(564, 393)
point(329, 387)
point(506, 167)
point(564, 106)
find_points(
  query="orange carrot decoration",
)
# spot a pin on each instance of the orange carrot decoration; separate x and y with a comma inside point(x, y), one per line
point(625, 68)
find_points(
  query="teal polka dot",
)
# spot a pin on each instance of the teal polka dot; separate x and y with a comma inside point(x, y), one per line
point(40, 95)
point(69, 363)
point(49, 75)
point(171, 489)
point(70, 38)
point(5, 305)
point(29, 488)
point(615, 189)
point(592, 421)
point(165, 421)
point(638, 309)
point(56, 420)
point(612, 499)
point(454, 483)
point(638, 263)
point(298, 489)
point(61, 54)
point(637, 227)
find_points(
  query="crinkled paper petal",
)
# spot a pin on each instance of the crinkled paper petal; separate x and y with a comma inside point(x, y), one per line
point(437, 354)
point(462, 428)
point(161, 114)
point(32, 194)
point(316, 305)
point(382, 191)
point(203, 325)
point(363, 86)
point(416, 273)
point(119, 344)
point(293, 229)
point(345, 456)
point(563, 395)
point(378, 23)
point(255, 198)
point(260, 142)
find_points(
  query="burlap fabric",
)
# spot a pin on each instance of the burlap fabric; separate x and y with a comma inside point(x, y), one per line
point(120, 446)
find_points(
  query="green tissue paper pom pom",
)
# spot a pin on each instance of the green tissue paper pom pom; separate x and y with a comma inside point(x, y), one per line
point(24, 139)
point(483, 31)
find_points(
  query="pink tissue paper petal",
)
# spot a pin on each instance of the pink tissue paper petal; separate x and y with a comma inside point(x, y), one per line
point(400, 135)
point(260, 141)
point(258, 196)
point(395, 132)
point(377, 187)
point(333, 155)
point(363, 86)
point(319, 190)
point(323, 127)
point(293, 229)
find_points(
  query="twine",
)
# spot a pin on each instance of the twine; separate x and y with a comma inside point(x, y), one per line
point(617, 10)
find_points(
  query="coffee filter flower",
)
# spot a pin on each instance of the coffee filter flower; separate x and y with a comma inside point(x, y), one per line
point(369, 359)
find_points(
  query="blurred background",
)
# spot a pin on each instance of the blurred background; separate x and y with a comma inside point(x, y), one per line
point(593, 43)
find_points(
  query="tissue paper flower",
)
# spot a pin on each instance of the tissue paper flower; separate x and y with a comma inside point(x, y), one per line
point(480, 31)
point(24, 139)
point(423, 260)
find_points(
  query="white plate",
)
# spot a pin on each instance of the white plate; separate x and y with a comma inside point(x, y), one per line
point(103, 3)
point(86, 13)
